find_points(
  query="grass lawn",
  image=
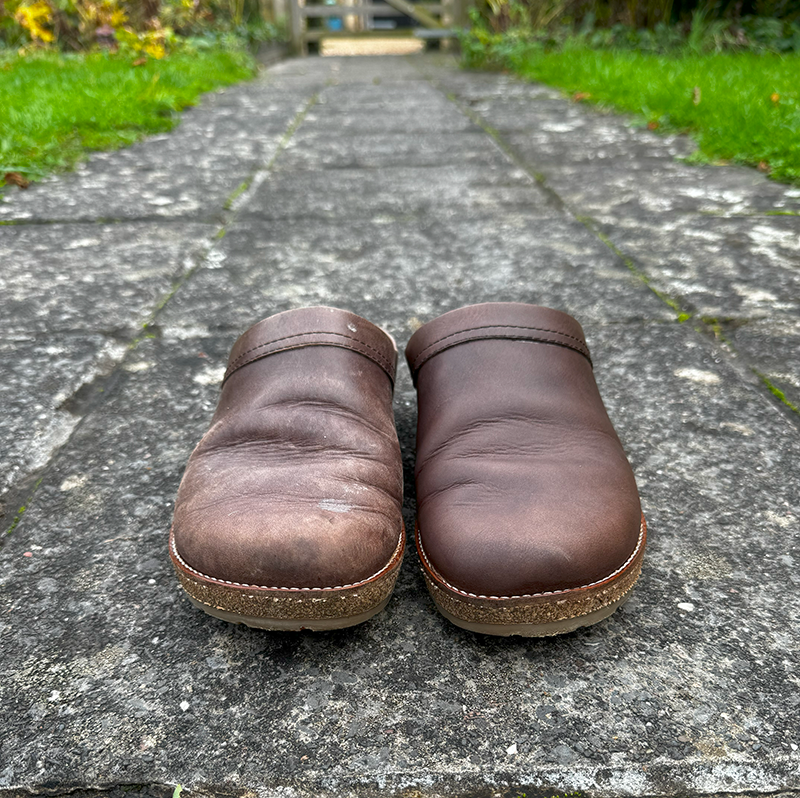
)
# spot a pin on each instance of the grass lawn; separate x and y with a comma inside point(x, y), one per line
point(739, 107)
point(55, 107)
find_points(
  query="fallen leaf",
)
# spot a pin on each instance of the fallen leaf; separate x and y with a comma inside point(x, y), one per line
point(652, 125)
point(580, 96)
point(139, 61)
point(16, 179)
point(696, 96)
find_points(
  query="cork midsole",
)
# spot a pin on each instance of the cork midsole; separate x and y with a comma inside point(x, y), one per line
point(292, 624)
point(536, 629)
point(248, 604)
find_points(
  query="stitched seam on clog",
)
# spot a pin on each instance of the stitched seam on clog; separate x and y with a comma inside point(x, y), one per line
point(421, 359)
point(418, 364)
point(289, 589)
point(388, 370)
point(534, 595)
point(501, 327)
point(300, 335)
point(236, 364)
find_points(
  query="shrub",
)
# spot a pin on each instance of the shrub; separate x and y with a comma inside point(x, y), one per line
point(762, 21)
point(492, 38)
point(138, 26)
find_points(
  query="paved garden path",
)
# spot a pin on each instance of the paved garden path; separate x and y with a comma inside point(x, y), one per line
point(399, 189)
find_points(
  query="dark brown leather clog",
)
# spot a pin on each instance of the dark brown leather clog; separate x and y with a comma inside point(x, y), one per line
point(288, 515)
point(528, 515)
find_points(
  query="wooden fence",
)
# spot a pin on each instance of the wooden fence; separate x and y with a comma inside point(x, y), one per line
point(312, 21)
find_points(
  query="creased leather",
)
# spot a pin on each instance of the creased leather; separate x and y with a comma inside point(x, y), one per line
point(298, 481)
point(522, 483)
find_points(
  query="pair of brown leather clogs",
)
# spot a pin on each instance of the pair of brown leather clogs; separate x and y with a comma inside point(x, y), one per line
point(528, 516)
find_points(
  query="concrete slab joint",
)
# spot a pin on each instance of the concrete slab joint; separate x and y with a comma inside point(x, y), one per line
point(398, 189)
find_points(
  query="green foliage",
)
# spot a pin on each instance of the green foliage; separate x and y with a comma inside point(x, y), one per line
point(757, 20)
point(741, 107)
point(771, 34)
point(56, 106)
point(483, 42)
point(100, 74)
point(149, 27)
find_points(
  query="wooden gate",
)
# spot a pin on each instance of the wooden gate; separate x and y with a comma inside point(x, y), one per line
point(313, 20)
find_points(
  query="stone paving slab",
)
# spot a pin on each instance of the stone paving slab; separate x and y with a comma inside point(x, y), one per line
point(377, 72)
point(557, 142)
point(482, 88)
point(509, 115)
point(610, 195)
point(378, 91)
point(93, 277)
point(413, 96)
point(396, 121)
point(734, 268)
point(351, 194)
point(553, 262)
point(109, 678)
point(72, 298)
point(565, 134)
point(569, 133)
point(41, 379)
point(197, 189)
point(412, 107)
point(319, 149)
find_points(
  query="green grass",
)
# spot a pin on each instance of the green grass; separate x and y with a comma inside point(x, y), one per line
point(740, 107)
point(56, 107)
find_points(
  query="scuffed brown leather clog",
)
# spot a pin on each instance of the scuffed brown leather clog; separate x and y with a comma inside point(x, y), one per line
point(528, 516)
point(288, 515)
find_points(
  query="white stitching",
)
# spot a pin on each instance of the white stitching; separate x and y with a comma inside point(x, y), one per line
point(291, 589)
point(619, 570)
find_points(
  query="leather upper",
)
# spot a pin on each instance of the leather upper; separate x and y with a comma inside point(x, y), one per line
point(320, 326)
point(298, 482)
point(523, 486)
